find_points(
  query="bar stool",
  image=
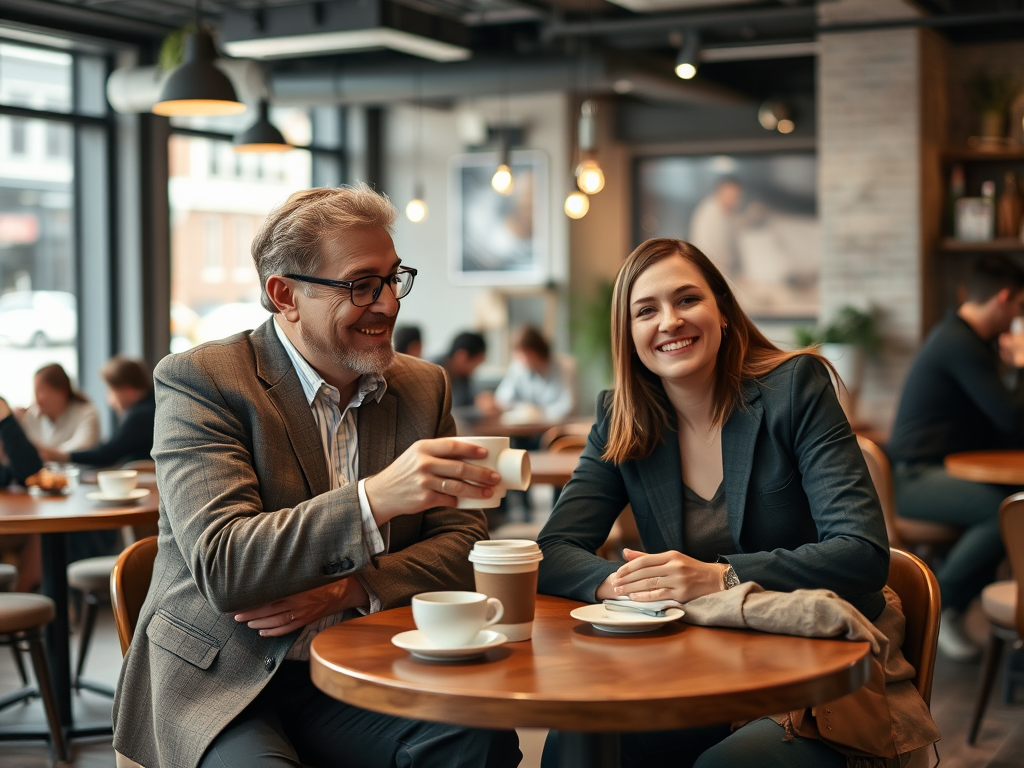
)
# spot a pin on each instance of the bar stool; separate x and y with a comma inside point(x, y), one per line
point(22, 618)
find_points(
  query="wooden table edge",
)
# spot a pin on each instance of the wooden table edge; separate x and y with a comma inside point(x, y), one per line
point(963, 466)
point(418, 702)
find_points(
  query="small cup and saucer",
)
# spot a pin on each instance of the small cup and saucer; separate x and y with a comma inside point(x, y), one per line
point(452, 626)
point(117, 487)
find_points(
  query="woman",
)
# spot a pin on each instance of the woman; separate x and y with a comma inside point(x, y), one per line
point(739, 465)
point(61, 418)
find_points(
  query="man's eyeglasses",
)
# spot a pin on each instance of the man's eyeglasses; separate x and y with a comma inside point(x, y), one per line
point(366, 290)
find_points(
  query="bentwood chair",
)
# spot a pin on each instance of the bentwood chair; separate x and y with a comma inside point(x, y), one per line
point(918, 590)
point(129, 585)
point(920, 536)
point(1003, 606)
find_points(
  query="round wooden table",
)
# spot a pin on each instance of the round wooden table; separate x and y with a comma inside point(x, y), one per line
point(54, 517)
point(552, 467)
point(586, 683)
point(1002, 467)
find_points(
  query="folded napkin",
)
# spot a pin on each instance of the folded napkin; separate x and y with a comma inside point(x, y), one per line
point(651, 608)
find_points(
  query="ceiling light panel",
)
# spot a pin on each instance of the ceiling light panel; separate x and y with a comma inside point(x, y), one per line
point(318, 29)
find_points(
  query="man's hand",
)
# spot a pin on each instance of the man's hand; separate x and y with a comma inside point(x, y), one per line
point(5, 409)
point(292, 613)
point(429, 474)
point(52, 454)
point(1011, 349)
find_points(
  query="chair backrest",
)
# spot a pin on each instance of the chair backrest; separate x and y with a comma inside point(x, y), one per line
point(1011, 523)
point(881, 476)
point(561, 430)
point(129, 584)
point(918, 590)
point(568, 444)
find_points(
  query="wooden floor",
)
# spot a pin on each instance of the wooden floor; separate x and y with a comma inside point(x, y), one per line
point(1000, 744)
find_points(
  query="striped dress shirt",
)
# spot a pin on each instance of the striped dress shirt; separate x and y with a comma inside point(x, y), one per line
point(340, 438)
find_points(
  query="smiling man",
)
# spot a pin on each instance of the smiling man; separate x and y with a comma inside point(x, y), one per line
point(306, 475)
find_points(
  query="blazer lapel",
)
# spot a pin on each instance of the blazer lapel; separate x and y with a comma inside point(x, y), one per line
point(378, 423)
point(274, 368)
point(738, 438)
point(662, 477)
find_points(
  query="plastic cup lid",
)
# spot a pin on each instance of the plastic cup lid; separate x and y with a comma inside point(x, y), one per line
point(505, 551)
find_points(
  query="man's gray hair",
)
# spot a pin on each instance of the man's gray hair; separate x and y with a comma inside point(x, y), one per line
point(291, 239)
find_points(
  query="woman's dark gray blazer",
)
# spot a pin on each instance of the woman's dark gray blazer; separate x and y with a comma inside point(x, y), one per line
point(802, 508)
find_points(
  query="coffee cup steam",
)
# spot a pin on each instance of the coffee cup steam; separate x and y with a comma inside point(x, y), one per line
point(512, 464)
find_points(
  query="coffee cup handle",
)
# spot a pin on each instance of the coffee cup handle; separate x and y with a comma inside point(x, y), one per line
point(499, 611)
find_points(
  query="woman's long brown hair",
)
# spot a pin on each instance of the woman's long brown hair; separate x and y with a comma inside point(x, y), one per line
point(640, 410)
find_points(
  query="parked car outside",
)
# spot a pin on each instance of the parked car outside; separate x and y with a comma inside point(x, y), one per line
point(38, 318)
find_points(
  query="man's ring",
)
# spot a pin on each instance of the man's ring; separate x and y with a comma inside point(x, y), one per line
point(291, 617)
point(654, 582)
point(444, 487)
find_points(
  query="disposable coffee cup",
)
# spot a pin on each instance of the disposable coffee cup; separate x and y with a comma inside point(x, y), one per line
point(117, 483)
point(507, 569)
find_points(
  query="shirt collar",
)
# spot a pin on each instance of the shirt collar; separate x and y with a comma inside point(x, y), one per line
point(370, 384)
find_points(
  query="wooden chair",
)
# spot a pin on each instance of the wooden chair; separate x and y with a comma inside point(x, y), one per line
point(918, 589)
point(129, 584)
point(1002, 606)
point(568, 444)
point(922, 537)
point(579, 428)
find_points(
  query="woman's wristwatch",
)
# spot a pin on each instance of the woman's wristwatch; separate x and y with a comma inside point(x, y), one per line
point(729, 578)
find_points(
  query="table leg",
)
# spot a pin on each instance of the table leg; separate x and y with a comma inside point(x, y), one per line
point(588, 750)
point(58, 650)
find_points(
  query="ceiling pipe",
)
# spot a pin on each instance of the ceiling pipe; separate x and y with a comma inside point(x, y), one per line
point(392, 82)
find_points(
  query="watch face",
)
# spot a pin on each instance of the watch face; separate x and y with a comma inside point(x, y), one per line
point(731, 579)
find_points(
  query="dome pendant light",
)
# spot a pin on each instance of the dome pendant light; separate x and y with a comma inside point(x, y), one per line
point(197, 87)
point(261, 136)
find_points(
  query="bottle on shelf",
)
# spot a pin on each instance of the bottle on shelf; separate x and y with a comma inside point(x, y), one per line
point(1008, 208)
point(956, 191)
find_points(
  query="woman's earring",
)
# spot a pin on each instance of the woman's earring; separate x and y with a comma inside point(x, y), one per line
point(725, 329)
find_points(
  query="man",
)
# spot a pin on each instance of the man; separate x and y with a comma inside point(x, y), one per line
point(467, 352)
point(306, 476)
point(537, 378)
point(714, 225)
point(955, 400)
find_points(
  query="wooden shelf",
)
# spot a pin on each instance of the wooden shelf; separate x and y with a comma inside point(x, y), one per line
point(1002, 245)
point(988, 155)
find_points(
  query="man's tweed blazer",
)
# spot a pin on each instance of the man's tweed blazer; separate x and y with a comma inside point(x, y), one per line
point(246, 517)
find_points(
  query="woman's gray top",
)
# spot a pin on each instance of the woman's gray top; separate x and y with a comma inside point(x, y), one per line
point(706, 526)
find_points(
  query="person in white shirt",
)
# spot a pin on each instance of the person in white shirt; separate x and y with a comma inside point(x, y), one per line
point(538, 378)
point(715, 223)
point(61, 418)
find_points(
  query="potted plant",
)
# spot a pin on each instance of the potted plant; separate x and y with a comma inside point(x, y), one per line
point(846, 342)
point(992, 95)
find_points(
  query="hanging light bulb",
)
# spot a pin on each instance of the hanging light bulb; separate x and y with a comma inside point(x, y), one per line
point(501, 181)
point(686, 60)
point(576, 205)
point(416, 209)
point(590, 177)
point(197, 87)
point(261, 136)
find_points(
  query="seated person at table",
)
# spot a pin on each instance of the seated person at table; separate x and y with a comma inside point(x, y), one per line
point(130, 394)
point(955, 400)
point(465, 355)
point(739, 465)
point(21, 460)
point(307, 474)
point(408, 340)
point(61, 418)
point(538, 378)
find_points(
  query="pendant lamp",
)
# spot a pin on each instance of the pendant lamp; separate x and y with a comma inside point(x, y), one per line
point(261, 136)
point(197, 87)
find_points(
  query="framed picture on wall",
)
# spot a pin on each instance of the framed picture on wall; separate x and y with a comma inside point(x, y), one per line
point(497, 239)
point(754, 215)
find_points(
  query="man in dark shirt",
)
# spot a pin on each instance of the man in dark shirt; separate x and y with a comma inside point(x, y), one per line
point(21, 459)
point(955, 400)
point(468, 350)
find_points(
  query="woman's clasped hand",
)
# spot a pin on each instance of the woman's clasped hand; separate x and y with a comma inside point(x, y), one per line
point(663, 576)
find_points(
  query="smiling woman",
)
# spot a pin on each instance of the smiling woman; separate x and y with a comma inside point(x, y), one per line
point(739, 465)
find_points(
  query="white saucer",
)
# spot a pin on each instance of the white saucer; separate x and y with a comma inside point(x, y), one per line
point(415, 643)
point(625, 622)
point(102, 498)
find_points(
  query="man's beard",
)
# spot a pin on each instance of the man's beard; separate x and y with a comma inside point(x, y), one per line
point(377, 359)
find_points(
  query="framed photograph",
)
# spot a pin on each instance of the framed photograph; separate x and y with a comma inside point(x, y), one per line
point(498, 239)
point(754, 215)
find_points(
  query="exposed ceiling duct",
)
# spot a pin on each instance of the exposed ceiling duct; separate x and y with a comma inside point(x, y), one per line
point(341, 26)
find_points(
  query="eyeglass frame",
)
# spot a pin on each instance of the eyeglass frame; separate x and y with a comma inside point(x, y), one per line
point(350, 284)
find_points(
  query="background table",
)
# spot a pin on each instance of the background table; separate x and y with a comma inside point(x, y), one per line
point(54, 517)
point(590, 684)
point(552, 467)
point(1003, 467)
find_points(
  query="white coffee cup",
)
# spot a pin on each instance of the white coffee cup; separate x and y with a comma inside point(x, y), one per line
point(512, 464)
point(117, 483)
point(453, 619)
point(507, 569)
